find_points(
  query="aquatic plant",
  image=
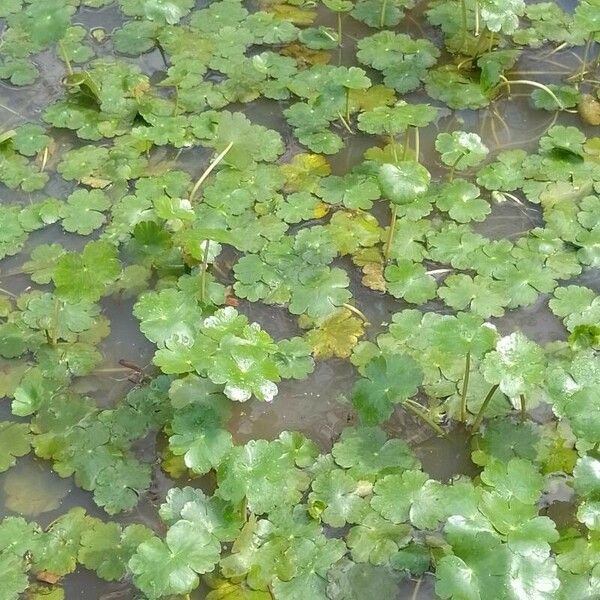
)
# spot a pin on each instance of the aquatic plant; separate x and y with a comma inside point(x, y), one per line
point(148, 188)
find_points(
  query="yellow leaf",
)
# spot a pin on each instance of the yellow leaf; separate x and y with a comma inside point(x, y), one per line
point(303, 172)
point(95, 182)
point(592, 147)
point(305, 57)
point(336, 335)
point(320, 210)
point(377, 95)
point(173, 465)
point(373, 277)
point(388, 154)
point(293, 14)
point(225, 590)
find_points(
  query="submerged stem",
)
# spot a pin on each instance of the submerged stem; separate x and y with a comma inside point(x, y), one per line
point(422, 413)
point(415, 593)
point(463, 397)
point(541, 86)
point(208, 171)
point(3, 291)
point(479, 417)
point(339, 28)
point(476, 18)
point(390, 235)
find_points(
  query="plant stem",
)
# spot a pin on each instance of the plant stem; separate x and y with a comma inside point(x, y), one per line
point(204, 268)
point(45, 155)
point(476, 18)
point(65, 57)
point(357, 312)
point(479, 417)
point(55, 321)
point(417, 143)
point(208, 171)
point(586, 53)
point(347, 104)
point(523, 408)
point(394, 148)
point(390, 235)
point(420, 412)
point(436, 271)
point(339, 27)
point(3, 291)
point(536, 84)
point(382, 13)
point(176, 107)
point(463, 397)
point(453, 168)
point(465, 25)
point(415, 593)
point(406, 143)
point(345, 123)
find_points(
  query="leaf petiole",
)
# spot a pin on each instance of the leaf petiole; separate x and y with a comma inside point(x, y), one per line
point(463, 397)
point(479, 417)
point(65, 57)
point(347, 104)
point(208, 171)
point(382, 13)
point(394, 148)
point(417, 143)
point(345, 123)
point(463, 11)
point(586, 54)
point(357, 312)
point(390, 236)
point(204, 268)
point(508, 82)
point(420, 412)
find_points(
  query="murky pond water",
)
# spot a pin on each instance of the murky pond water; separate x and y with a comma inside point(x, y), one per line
point(318, 406)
